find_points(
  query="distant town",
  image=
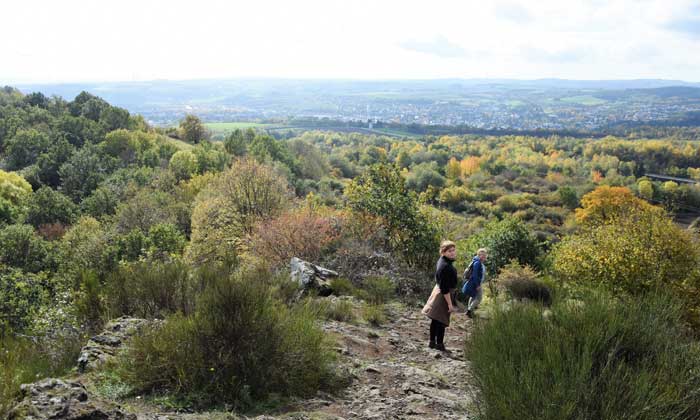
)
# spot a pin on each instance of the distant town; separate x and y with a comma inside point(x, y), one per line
point(482, 104)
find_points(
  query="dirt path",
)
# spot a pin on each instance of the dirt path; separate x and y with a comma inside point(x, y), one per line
point(397, 376)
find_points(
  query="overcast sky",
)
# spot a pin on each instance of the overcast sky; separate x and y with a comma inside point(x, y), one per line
point(63, 41)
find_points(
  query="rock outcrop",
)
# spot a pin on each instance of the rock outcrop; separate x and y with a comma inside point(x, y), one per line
point(57, 399)
point(311, 277)
point(106, 344)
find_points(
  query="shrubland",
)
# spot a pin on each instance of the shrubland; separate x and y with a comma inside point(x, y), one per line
point(102, 215)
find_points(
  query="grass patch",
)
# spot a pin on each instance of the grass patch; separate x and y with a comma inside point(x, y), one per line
point(600, 358)
point(340, 310)
point(374, 314)
point(228, 127)
point(342, 287)
point(377, 290)
point(179, 144)
point(24, 360)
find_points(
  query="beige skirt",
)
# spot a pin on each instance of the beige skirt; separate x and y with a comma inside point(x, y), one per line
point(436, 308)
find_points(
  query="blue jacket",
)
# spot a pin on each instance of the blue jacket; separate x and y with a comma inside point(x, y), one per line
point(474, 281)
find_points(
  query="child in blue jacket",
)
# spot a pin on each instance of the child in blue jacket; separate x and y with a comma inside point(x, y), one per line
point(472, 287)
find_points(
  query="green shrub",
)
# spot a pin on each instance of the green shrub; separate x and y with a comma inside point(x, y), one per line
point(24, 361)
point(21, 296)
point(21, 247)
point(240, 345)
point(342, 287)
point(377, 290)
point(521, 283)
point(340, 310)
point(374, 314)
point(89, 302)
point(595, 359)
point(505, 240)
point(149, 289)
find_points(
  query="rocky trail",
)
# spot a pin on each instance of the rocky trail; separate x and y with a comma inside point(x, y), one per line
point(394, 376)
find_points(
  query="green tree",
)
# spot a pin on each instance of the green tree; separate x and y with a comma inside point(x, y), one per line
point(183, 164)
point(568, 197)
point(646, 189)
point(209, 158)
point(381, 192)
point(82, 173)
point(265, 147)
point(192, 130)
point(312, 163)
point(505, 240)
point(25, 147)
point(423, 176)
point(228, 208)
point(14, 188)
point(49, 163)
point(235, 143)
point(121, 144)
point(166, 239)
point(21, 296)
point(113, 118)
point(83, 247)
point(49, 206)
point(21, 247)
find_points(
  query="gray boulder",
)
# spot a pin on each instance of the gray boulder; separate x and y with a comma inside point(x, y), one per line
point(56, 399)
point(311, 277)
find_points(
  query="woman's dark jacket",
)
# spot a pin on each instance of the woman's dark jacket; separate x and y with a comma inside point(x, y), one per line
point(445, 275)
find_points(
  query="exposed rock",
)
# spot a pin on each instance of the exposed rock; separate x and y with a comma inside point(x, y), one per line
point(106, 344)
point(55, 399)
point(311, 277)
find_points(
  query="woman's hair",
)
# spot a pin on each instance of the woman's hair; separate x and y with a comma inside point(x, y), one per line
point(445, 245)
point(482, 251)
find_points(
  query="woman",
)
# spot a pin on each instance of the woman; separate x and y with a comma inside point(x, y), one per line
point(440, 303)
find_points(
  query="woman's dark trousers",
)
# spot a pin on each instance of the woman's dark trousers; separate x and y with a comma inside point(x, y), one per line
point(437, 332)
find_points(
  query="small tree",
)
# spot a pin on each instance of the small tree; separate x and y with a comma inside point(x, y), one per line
point(192, 130)
point(506, 240)
point(183, 164)
point(227, 210)
point(48, 206)
point(381, 192)
point(632, 254)
point(14, 188)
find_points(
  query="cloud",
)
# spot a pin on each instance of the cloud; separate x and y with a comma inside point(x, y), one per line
point(513, 12)
point(562, 56)
point(438, 46)
point(687, 23)
point(687, 26)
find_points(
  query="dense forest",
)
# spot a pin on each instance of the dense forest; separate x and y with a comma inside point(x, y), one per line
point(102, 215)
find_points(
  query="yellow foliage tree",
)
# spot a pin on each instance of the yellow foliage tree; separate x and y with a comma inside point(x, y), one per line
point(470, 165)
point(607, 203)
point(646, 189)
point(227, 209)
point(453, 169)
point(633, 254)
point(13, 187)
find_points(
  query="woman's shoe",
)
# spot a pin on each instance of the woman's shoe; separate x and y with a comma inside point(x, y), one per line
point(431, 345)
point(440, 346)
